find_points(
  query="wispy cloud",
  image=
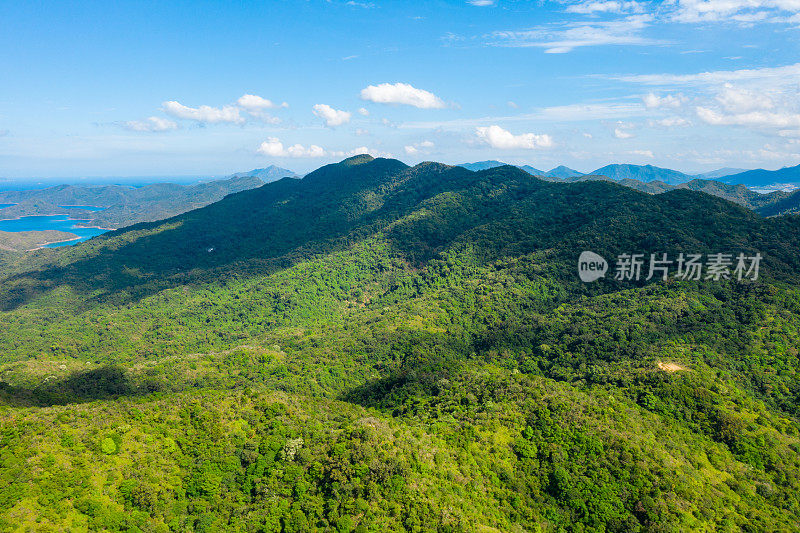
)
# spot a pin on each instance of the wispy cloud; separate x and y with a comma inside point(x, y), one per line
point(566, 113)
point(787, 74)
point(745, 11)
point(151, 124)
point(607, 6)
point(766, 119)
point(565, 37)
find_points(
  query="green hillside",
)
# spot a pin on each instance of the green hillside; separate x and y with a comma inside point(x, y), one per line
point(379, 347)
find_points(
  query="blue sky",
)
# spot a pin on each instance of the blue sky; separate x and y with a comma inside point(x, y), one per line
point(210, 88)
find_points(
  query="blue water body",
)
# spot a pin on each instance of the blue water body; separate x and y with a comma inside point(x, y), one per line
point(5, 205)
point(56, 222)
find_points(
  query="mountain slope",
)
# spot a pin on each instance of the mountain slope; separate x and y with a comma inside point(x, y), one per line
point(563, 172)
point(643, 173)
point(786, 203)
point(378, 346)
point(720, 173)
point(266, 175)
point(532, 171)
point(764, 178)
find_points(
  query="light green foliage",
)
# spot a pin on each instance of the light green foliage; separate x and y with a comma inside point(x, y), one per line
point(108, 446)
point(409, 349)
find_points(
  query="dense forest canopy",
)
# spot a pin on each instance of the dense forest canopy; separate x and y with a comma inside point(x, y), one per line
point(377, 347)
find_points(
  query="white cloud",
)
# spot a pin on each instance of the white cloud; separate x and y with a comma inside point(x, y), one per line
point(765, 119)
point(512, 105)
point(401, 93)
point(363, 111)
point(579, 112)
point(643, 153)
point(361, 150)
point(256, 107)
point(746, 11)
point(332, 117)
point(362, 131)
point(204, 113)
point(653, 101)
point(785, 75)
point(481, 3)
point(559, 39)
point(274, 147)
point(420, 147)
point(150, 124)
point(671, 122)
point(620, 133)
point(497, 137)
point(607, 6)
point(736, 100)
point(252, 102)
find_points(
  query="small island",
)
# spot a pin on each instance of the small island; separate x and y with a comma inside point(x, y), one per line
point(23, 241)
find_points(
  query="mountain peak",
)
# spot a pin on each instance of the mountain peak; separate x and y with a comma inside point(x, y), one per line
point(266, 174)
point(359, 159)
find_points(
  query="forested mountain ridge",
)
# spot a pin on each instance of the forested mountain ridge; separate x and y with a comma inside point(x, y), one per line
point(378, 346)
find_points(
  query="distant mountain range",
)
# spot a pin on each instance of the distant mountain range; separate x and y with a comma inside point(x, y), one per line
point(558, 172)
point(122, 205)
point(773, 203)
point(719, 173)
point(764, 178)
point(650, 173)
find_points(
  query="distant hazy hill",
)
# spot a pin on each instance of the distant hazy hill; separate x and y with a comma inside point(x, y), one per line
point(763, 178)
point(560, 171)
point(738, 194)
point(532, 170)
point(720, 173)
point(267, 175)
point(643, 173)
point(788, 204)
point(735, 193)
point(563, 172)
point(482, 165)
point(123, 205)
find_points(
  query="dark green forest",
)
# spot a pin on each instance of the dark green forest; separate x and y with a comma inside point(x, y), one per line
point(379, 347)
